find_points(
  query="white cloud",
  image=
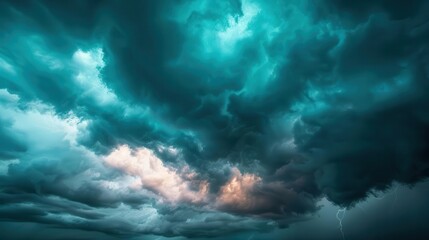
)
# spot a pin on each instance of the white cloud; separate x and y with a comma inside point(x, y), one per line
point(8, 98)
point(88, 67)
point(42, 127)
point(238, 27)
point(154, 175)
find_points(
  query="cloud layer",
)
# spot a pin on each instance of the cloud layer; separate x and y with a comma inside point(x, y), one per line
point(203, 118)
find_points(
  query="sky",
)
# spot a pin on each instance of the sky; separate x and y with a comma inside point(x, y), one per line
point(201, 119)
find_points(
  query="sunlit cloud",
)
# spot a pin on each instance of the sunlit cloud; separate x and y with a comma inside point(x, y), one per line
point(237, 192)
point(154, 175)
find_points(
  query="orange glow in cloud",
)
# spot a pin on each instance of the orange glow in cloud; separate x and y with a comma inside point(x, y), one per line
point(237, 191)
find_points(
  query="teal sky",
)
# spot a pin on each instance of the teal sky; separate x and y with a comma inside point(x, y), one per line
point(231, 119)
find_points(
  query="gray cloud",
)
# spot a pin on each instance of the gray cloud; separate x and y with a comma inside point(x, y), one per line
point(262, 108)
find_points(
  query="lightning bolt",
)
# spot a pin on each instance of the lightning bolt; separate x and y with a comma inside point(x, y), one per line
point(341, 213)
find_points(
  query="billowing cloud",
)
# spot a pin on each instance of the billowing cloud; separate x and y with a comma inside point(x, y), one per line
point(237, 192)
point(154, 175)
point(207, 118)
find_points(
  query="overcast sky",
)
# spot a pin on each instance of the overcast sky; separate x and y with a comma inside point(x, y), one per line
point(229, 119)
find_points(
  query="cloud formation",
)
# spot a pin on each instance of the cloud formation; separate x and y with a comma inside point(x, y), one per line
point(155, 176)
point(207, 118)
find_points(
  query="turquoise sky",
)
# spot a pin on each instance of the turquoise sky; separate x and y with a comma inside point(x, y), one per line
point(230, 119)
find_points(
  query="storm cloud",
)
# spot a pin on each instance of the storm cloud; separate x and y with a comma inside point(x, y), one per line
point(207, 118)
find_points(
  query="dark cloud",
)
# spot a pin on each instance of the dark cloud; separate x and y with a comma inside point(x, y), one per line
point(284, 103)
point(361, 11)
point(359, 151)
point(10, 147)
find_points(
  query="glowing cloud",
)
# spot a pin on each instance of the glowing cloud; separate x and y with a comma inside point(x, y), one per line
point(237, 191)
point(238, 27)
point(165, 181)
